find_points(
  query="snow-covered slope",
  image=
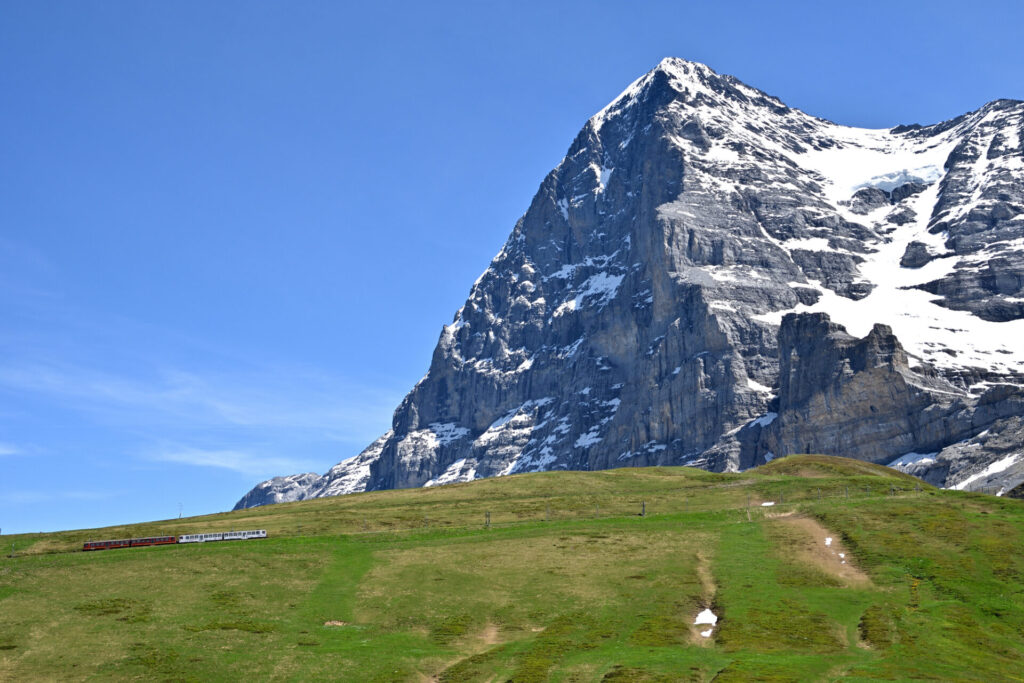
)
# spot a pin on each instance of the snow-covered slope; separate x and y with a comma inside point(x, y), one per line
point(662, 299)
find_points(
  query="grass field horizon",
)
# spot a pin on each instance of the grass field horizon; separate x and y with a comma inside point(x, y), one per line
point(578, 576)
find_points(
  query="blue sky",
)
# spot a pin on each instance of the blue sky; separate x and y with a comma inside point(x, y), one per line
point(230, 232)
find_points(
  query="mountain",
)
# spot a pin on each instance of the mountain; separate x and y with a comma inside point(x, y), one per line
point(712, 278)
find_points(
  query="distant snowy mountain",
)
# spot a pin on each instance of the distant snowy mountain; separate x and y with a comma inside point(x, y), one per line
point(712, 278)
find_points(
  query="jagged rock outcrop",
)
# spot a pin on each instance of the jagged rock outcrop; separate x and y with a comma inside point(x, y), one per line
point(279, 490)
point(348, 476)
point(663, 299)
point(860, 397)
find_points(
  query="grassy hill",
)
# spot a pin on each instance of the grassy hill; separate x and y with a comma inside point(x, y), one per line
point(571, 581)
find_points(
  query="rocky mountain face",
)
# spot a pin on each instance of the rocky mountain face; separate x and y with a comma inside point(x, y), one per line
point(711, 278)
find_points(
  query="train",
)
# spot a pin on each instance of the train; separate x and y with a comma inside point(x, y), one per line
point(171, 540)
point(225, 536)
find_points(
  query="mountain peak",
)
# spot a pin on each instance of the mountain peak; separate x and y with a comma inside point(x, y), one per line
point(678, 74)
point(683, 69)
point(693, 83)
point(701, 280)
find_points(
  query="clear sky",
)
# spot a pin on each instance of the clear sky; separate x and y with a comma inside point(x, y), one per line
point(230, 232)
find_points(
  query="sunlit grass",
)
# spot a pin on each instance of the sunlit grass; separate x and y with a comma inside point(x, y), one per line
point(570, 582)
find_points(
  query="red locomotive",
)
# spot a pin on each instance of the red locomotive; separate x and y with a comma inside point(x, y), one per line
point(129, 543)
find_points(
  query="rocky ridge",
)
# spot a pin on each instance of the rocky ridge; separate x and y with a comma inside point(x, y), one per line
point(711, 278)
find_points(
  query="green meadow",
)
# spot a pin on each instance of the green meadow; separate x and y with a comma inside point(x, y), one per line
point(559, 576)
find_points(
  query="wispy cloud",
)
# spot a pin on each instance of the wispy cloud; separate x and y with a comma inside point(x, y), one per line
point(125, 372)
point(239, 461)
point(97, 389)
point(268, 399)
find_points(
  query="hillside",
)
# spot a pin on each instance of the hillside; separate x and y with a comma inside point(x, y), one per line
point(569, 582)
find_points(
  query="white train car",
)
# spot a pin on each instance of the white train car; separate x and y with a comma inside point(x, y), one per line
point(223, 536)
point(244, 535)
point(200, 538)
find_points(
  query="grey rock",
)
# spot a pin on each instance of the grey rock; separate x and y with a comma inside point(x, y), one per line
point(278, 490)
point(349, 476)
point(905, 190)
point(979, 210)
point(868, 199)
point(902, 216)
point(916, 255)
point(860, 397)
point(969, 464)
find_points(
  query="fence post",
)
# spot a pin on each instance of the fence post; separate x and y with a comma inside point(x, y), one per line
point(488, 520)
point(643, 508)
point(547, 513)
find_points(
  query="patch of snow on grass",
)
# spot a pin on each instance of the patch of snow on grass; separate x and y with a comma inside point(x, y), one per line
point(706, 617)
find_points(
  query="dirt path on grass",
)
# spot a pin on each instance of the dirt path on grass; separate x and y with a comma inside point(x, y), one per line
point(476, 644)
point(490, 635)
point(708, 590)
point(823, 549)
